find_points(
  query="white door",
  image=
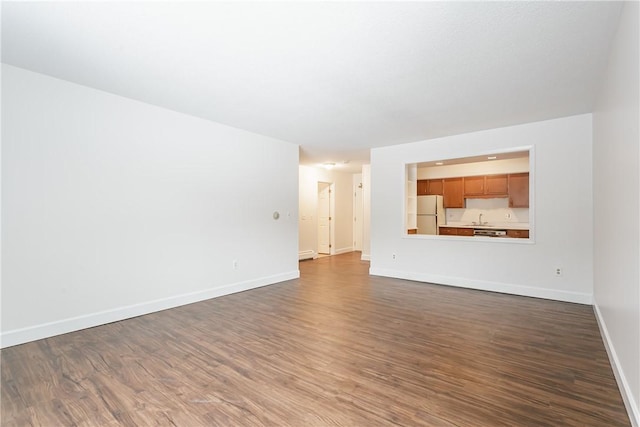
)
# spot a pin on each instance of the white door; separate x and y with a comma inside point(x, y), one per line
point(324, 218)
point(358, 224)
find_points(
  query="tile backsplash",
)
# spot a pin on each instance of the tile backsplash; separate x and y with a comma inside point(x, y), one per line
point(492, 210)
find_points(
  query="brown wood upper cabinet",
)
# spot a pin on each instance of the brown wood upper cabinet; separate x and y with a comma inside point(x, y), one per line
point(519, 190)
point(486, 186)
point(473, 185)
point(435, 187)
point(452, 192)
point(496, 184)
point(515, 186)
point(423, 186)
point(430, 187)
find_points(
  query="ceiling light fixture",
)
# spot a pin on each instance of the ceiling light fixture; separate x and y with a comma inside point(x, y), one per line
point(439, 163)
point(492, 157)
point(328, 166)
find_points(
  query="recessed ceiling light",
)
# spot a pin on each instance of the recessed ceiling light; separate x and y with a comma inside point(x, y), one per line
point(439, 163)
point(492, 157)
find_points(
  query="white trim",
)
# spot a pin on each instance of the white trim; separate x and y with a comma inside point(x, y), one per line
point(32, 333)
point(625, 390)
point(343, 250)
point(506, 288)
point(308, 254)
point(365, 257)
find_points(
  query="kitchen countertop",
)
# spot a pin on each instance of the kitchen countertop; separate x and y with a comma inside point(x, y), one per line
point(490, 226)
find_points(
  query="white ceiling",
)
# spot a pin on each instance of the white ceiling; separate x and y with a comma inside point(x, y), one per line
point(337, 78)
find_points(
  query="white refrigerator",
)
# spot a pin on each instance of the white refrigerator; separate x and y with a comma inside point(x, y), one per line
point(430, 214)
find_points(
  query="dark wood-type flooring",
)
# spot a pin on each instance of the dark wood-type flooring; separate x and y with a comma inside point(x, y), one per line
point(336, 347)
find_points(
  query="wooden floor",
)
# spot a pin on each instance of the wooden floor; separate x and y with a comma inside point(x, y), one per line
point(336, 347)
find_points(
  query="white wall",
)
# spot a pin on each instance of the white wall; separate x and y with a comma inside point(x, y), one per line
point(307, 211)
point(616, 189)
point(343, 222)
point(561, 214)
point(366, 202)
point(113, 208)
point(1, 175)
point(477, 168)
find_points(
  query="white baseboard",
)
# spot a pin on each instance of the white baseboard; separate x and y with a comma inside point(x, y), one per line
point(625, 390)
point(343, 250)
point(365, 257)
point(505, 288)
point(46, 330)
point(308, 254)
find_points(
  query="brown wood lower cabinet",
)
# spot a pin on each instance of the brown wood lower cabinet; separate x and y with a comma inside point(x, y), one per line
point(412, 231)
point(521, 234)
point(454, 231)
point(448, 231)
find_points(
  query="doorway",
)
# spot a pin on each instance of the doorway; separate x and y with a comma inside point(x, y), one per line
point(325, 209)
point(358, 213)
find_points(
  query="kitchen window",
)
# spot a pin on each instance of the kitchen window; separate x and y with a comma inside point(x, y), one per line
point(488, 195)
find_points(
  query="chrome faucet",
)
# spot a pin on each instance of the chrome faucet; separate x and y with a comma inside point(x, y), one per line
point(480, 219)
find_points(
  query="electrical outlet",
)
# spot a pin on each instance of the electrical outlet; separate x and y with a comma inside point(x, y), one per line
point(507, 215)
point(235, 264)
point(393, 256)
point(558, 272)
